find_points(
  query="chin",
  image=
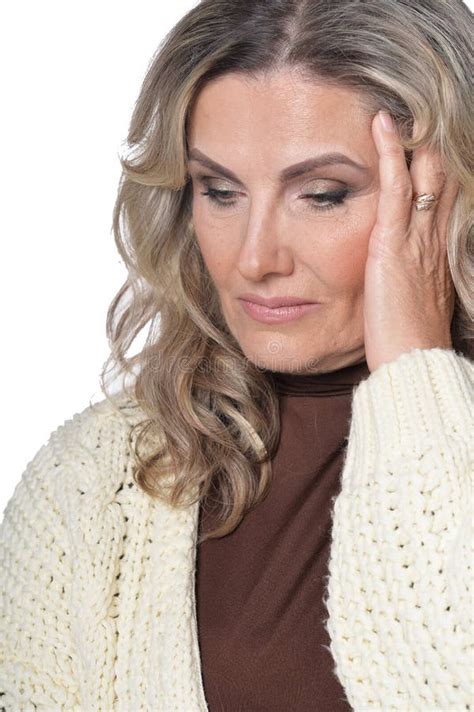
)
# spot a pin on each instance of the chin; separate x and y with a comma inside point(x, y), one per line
point(274, 355)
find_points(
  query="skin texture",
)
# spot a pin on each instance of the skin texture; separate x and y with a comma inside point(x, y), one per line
point(275, 241)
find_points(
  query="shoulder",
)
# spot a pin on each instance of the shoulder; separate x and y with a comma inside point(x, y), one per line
point(87, 458)
point(114, 415)
point(96, 443)
point(97, 432)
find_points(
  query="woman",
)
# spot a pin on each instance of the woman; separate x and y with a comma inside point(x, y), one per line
point(203, 539)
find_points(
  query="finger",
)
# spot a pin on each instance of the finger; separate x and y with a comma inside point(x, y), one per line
point(444, 207)
point(394, 208)
point(426, 173)
point(447, 201)
point(429, 176)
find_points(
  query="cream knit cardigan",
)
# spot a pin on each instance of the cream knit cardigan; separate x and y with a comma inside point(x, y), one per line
point(97, 599)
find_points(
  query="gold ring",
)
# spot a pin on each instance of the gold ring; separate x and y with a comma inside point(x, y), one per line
point(424, 201)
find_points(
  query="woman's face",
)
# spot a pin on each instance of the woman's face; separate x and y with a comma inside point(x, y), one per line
point(267, 236)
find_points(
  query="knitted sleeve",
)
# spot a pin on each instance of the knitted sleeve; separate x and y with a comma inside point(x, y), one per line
point(400, 592)
point(37, 658)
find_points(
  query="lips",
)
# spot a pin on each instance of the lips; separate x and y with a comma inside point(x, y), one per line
point(277, 315)
point(275, 302)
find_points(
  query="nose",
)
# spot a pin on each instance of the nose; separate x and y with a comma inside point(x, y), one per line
point(264, 250)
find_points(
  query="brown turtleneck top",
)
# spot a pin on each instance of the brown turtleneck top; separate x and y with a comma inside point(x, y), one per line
point(259, 590)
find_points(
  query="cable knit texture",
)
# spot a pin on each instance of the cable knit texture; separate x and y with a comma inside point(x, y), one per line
point(97, 596)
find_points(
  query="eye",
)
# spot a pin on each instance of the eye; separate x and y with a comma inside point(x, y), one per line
point(318, 201)
point(219, 197)
point(326, 201)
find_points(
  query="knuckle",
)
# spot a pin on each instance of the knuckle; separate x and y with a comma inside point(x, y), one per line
point(438, 174)
point(402, 187)
point(391, 150)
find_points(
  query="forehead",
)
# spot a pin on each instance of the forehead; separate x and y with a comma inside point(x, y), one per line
point(281, 109)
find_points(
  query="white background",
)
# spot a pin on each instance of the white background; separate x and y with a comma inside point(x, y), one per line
point(70, 74)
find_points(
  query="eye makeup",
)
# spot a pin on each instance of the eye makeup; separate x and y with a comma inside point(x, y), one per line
point(318, 199)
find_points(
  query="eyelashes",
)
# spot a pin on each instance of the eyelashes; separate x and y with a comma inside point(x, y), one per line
point(329, 200)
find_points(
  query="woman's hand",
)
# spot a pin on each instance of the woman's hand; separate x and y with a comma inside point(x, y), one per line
point(408, 292)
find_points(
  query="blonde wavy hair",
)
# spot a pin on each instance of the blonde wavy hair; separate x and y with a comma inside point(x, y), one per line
point(215, 415)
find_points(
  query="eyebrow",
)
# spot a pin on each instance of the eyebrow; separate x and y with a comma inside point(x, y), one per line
point(287, 174)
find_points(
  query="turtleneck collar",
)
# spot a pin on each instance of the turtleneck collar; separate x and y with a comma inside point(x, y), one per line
point(339, 382)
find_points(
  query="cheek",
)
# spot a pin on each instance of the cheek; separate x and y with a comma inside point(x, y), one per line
point(338, 250)
point(213, 241)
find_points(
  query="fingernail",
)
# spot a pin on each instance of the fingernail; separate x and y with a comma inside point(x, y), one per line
point(387, 121)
